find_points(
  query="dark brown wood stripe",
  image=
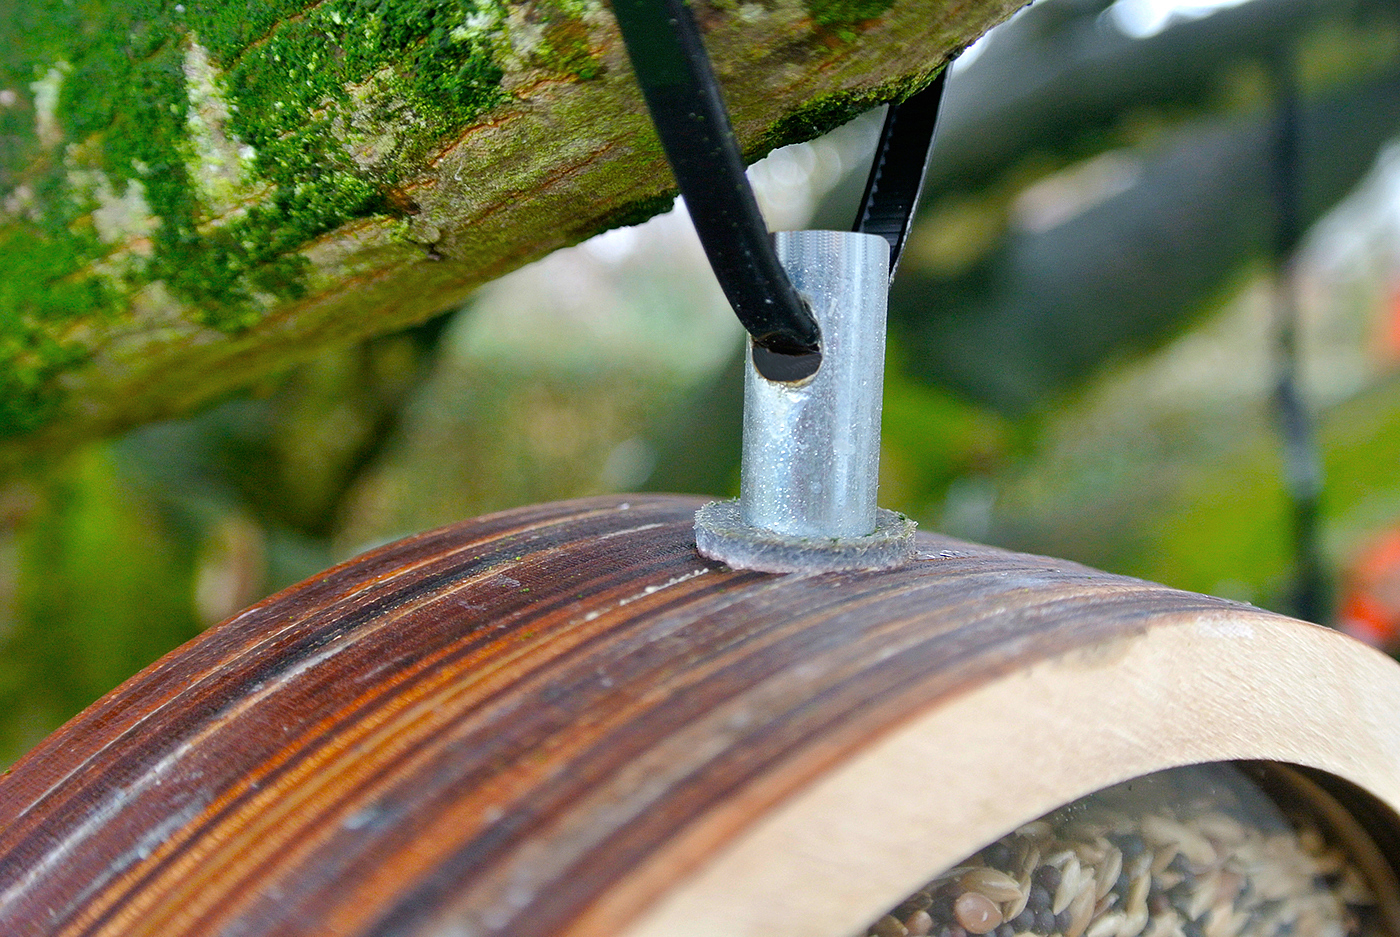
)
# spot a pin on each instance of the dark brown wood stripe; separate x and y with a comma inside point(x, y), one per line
point(832, 714)
point(291, 654)
point(192, 702)
point(212, 653)
point(499, 722)
point(363, 711)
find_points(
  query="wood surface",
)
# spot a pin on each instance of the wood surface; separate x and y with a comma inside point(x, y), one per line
point(560, 720)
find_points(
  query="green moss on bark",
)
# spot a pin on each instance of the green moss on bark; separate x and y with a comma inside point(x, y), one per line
point(30, 354)
point(841, 16)
point(181, 169)
point(564, 48)
point(291, 86)
point(824, 114)
point(307, 92)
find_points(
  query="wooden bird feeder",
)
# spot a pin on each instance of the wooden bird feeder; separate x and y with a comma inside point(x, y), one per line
point(561, 720)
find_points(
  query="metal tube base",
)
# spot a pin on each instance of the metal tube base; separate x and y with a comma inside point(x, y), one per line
point(812, 447)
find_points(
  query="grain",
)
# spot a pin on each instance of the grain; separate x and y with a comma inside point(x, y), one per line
point(998, 886)
point(889, 926)
point(1069, 884)
point(1106, 926)
point(918, 924)
point(1017, 906)
point(1180, 866)
point(1111, 866)
point(1081, 909)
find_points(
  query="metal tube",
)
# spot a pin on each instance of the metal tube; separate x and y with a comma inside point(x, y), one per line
point(811, 453)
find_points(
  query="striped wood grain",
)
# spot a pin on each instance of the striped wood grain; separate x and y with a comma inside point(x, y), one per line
point(539, 722)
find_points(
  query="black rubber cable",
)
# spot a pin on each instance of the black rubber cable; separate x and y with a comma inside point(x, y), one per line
point(687, 108)
point(674, 72)
point(901, 162)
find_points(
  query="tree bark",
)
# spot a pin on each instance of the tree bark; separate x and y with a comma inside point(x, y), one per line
point(193, 198)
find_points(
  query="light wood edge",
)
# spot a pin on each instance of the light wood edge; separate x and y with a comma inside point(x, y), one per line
point(1211, 687)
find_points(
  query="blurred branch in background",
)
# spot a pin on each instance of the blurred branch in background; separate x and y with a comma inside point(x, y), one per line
point(1061, 270)
point(1069, 79)
point(1308, 595)
point(1082, 361)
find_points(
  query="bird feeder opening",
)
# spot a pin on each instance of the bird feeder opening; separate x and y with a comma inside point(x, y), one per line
point(1215, 850)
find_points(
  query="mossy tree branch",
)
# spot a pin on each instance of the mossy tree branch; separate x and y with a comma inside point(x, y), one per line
point(191, 197)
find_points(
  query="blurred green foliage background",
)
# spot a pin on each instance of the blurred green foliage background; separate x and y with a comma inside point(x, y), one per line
point(1087, 339)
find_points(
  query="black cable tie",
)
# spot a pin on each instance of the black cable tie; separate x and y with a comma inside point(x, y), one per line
point(901, 162)
point(688, 110)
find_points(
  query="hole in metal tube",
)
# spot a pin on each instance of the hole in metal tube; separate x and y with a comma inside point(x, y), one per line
point(777, 366)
